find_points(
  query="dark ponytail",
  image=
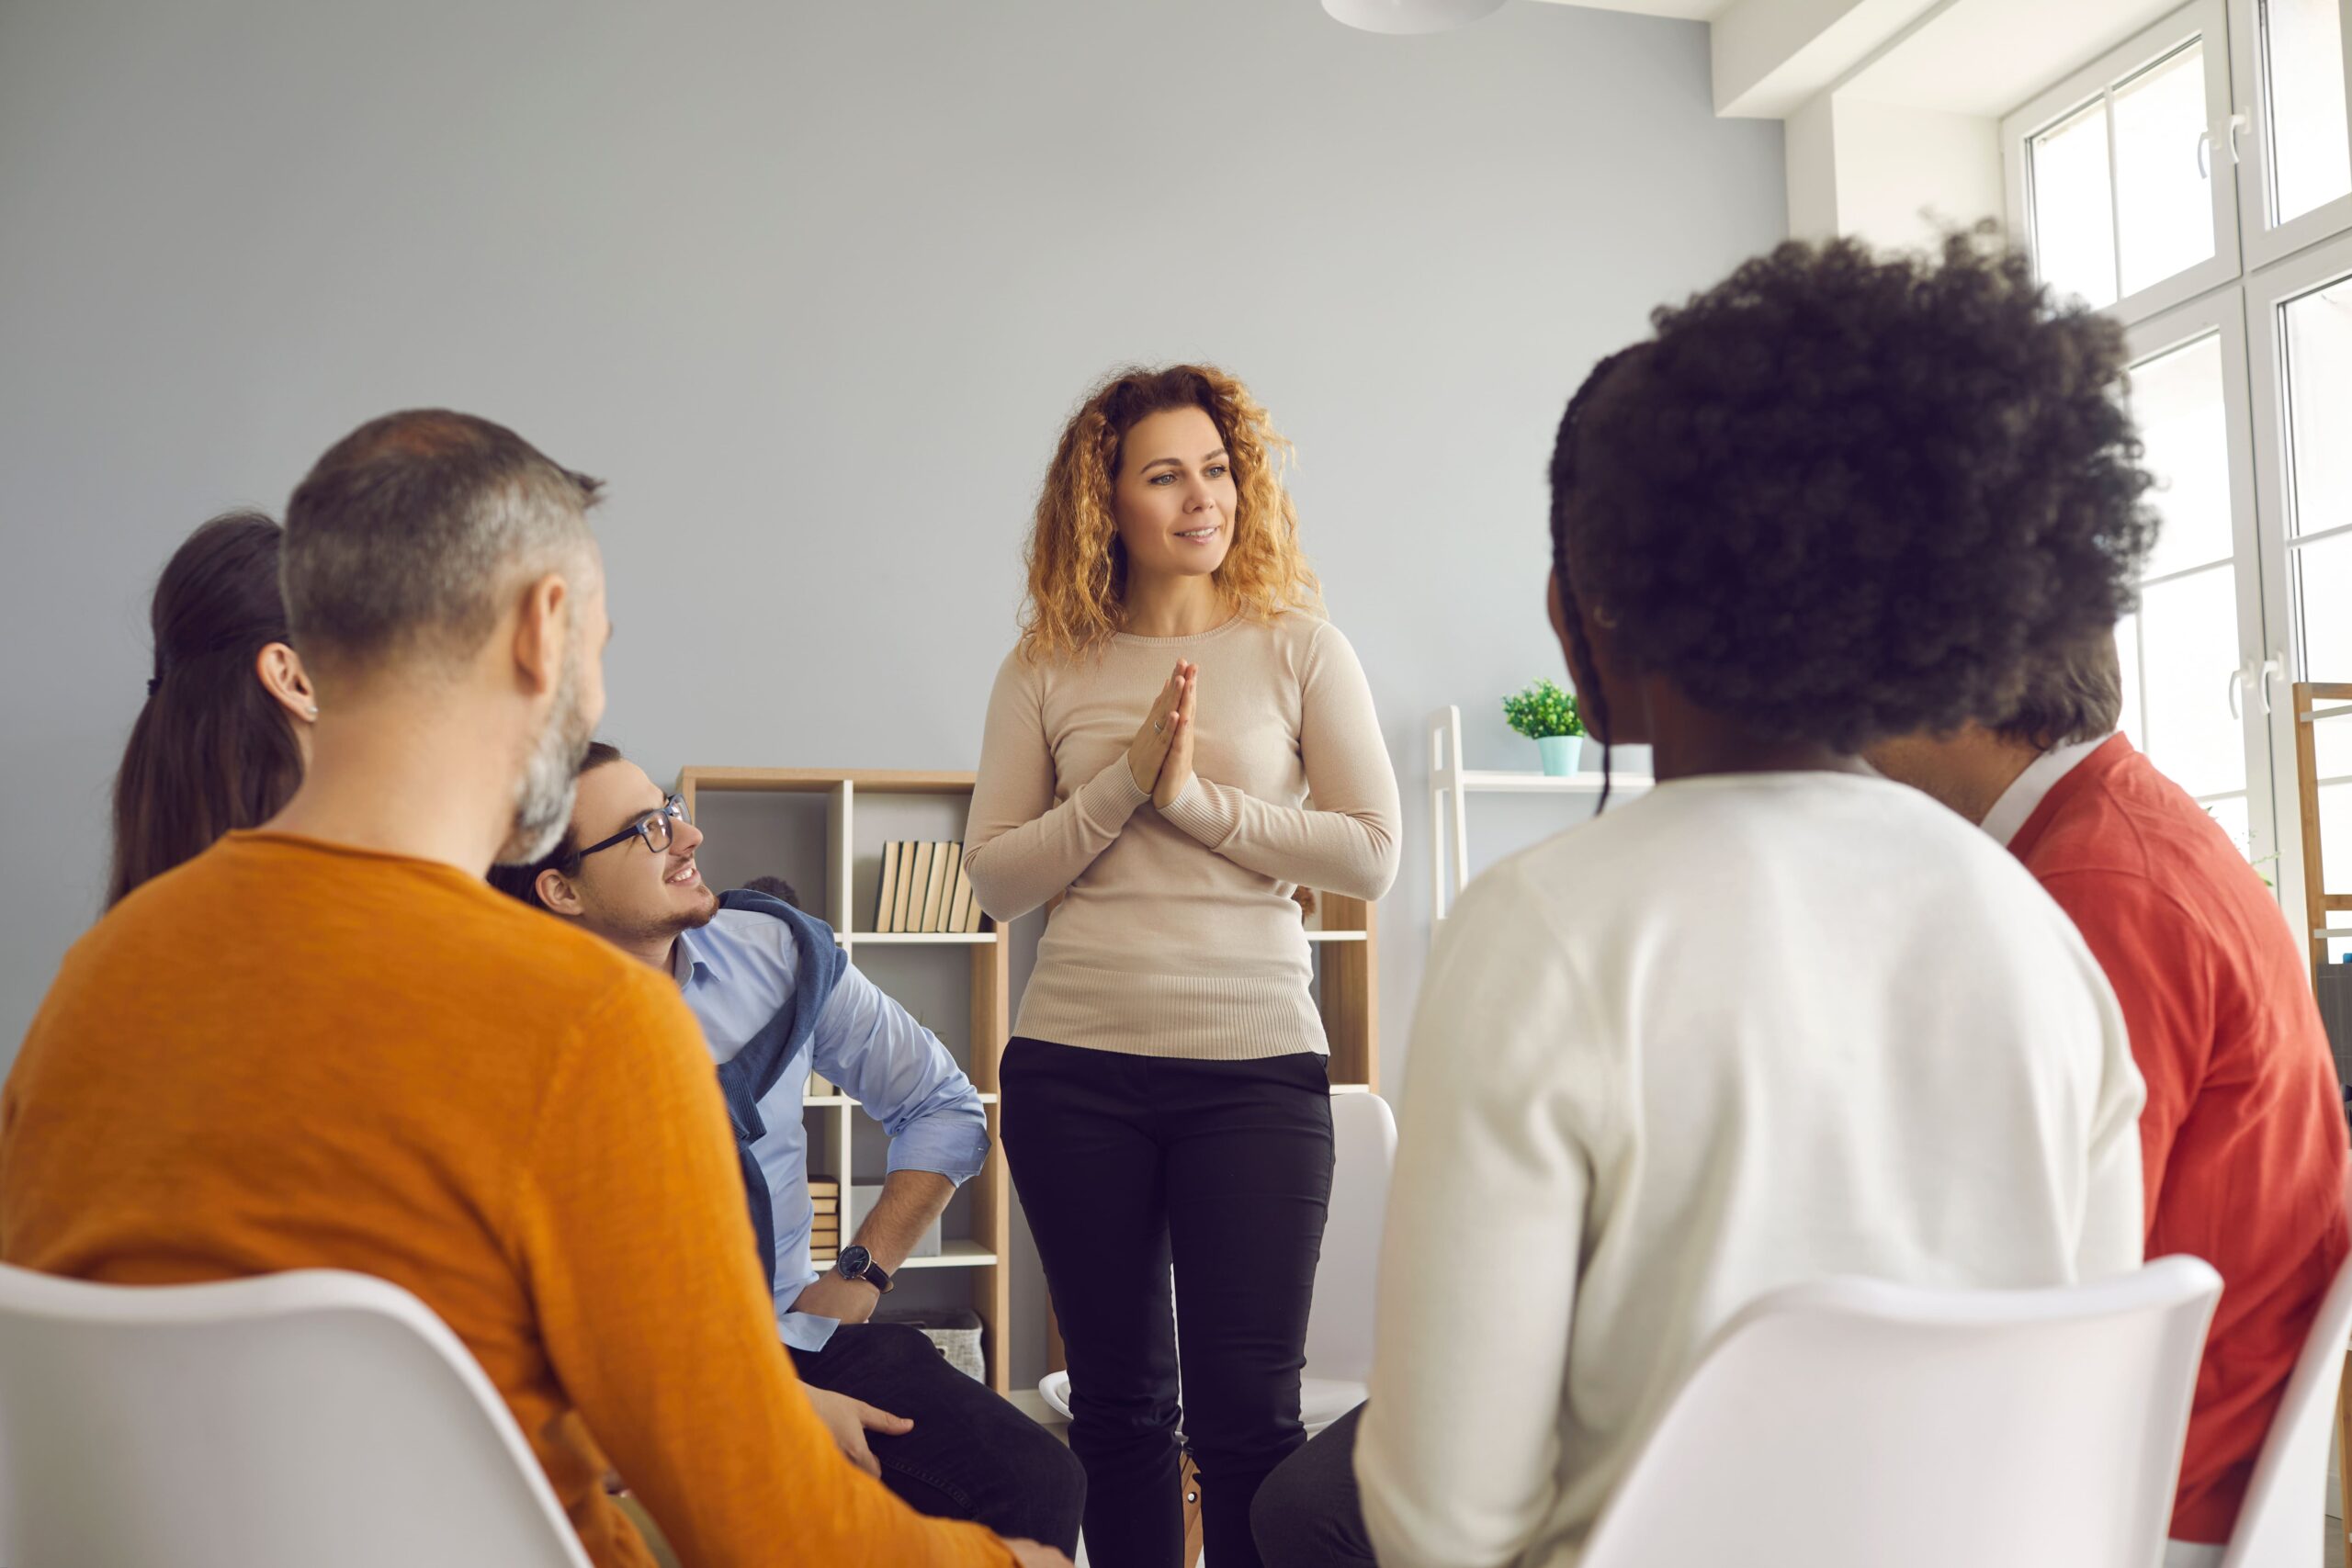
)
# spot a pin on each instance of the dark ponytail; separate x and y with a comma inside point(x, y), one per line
point(1595, 703)
point(212, 751)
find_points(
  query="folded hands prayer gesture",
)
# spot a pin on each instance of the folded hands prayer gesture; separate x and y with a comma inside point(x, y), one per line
point(1160, 758)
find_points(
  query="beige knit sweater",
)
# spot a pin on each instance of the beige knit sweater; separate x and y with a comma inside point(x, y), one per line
point(1177, 935)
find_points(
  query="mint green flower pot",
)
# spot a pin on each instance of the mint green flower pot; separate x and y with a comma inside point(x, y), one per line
point(1560, 754)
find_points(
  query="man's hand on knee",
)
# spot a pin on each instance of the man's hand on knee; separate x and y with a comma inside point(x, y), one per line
point(850, 1419)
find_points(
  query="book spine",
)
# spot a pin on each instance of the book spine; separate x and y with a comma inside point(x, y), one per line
point(883, 904)
point(905, 885)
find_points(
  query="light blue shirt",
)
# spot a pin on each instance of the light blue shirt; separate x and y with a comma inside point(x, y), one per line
point(734, 974)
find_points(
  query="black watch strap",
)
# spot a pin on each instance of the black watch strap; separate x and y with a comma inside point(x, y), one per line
point(856, 1263)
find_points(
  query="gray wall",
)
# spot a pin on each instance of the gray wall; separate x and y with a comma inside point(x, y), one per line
point(814, 286)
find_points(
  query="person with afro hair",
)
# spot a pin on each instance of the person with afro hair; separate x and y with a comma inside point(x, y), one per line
point(1779, 1018)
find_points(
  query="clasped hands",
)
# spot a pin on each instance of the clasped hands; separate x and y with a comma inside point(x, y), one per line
point(1160, 757)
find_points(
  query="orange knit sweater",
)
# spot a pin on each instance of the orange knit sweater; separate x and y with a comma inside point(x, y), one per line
point(290, 1055)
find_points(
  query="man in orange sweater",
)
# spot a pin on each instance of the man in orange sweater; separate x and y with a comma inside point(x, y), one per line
point(2241, 1143)
point(327, 1043)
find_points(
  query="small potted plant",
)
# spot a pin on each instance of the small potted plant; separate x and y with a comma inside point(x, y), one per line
point(1548, 716)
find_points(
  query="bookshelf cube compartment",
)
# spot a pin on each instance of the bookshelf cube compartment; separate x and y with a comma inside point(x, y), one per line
point(746, 836)
point(882, 820)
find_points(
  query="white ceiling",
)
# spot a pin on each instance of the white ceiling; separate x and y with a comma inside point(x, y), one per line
point(1981, 57)
point(1986, 57)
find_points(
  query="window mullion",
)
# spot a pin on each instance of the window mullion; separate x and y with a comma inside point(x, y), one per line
point(2114, 187)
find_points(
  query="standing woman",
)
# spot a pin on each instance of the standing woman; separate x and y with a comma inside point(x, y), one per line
point(225, 733)
point(1175, 700)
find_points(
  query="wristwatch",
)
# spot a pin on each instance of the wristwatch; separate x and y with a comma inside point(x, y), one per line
point(856, 1263)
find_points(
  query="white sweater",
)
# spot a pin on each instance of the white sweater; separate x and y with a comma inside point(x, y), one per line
point(1744, 1032)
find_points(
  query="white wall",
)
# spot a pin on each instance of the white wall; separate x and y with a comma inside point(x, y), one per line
point(1907, 173)
point(813, 286)
point(1895, 175)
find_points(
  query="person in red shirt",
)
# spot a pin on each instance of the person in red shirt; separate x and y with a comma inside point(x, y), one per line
point(2242, 1140)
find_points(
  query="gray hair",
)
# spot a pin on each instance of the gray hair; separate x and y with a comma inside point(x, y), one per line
point(408, 534)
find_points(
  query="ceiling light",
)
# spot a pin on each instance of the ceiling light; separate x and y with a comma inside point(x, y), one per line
point(1410, 15)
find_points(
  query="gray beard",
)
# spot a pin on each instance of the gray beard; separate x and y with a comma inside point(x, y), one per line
point(543, 795)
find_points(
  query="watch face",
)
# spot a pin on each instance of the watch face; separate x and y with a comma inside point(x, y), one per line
point(852, 1262)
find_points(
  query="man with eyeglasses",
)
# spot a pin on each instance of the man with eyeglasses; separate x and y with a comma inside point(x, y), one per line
point(777, 999)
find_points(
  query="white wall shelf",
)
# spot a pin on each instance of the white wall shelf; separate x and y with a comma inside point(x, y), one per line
point(954, 1254)
point(1472, 781)
point(1450, 787)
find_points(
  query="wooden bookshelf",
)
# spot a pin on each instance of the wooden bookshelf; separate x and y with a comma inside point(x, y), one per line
point(2320, 906)
point(985, 1252)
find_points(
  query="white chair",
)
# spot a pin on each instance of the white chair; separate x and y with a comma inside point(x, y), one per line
point(1853, 1423)
point(1339, 1323)
point(285, 1421)
point(2289, 1488)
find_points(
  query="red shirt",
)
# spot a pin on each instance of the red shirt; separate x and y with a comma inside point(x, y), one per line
point(2242, 1141)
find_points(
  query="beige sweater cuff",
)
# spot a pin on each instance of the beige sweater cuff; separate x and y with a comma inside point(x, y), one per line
point(1111, 796)
point(1201, 815)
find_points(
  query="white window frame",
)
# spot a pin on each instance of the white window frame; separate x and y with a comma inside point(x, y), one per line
point(2221, 314)
point(2207, 20)
point(2268, 294)
point(2264, 241)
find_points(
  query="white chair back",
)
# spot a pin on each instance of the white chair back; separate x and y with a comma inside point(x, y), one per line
point(2289, 1488)
point(1339, 1328)
point(284, 1421)
point(1852, 1424)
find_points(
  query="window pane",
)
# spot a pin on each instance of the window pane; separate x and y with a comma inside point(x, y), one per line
point(2177, 401)
point(2074, 226)
point(2231, 813)
point(2318, 329)
point(2323, 577)
point(2163, 197)
point(2332, 740)
point(2335, 841)
point(2190, 645)
point(2324, 607)
point(2127, 652)
point(2311, 154)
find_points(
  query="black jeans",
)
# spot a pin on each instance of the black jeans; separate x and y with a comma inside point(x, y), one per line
point(971, 1455)
point(1128, 1165)
point(1309, 1514)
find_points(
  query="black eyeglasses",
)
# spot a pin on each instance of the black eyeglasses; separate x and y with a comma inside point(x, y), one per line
point(654, 827)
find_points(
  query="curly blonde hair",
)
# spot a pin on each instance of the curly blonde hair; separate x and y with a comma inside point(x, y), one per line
point(1078, 568)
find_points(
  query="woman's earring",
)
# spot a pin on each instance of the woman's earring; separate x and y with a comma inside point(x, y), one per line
point(313, 710)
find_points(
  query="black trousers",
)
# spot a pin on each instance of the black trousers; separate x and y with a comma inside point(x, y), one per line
point(971, 1455)
point(1130, 1165)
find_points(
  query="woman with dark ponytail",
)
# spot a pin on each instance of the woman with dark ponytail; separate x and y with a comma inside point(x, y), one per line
point(225, 733)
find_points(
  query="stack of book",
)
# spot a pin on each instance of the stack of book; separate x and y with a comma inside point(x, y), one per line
point(825, 1238)
point(924, 890)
